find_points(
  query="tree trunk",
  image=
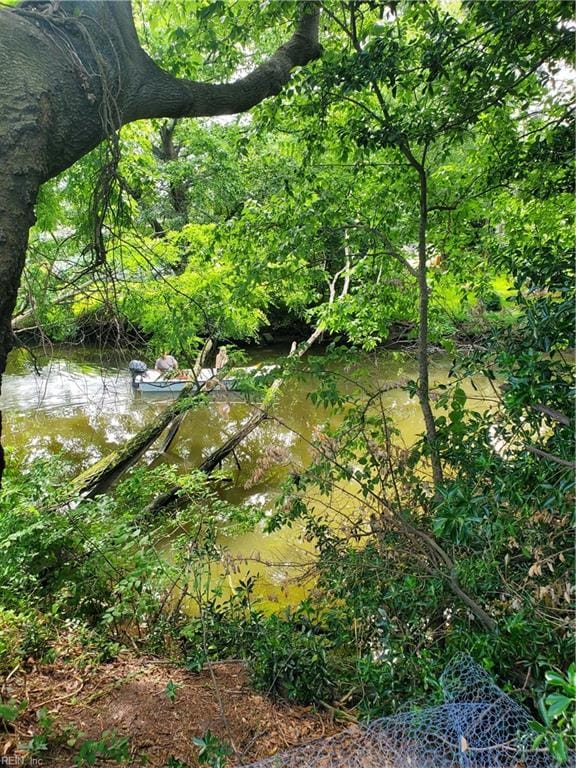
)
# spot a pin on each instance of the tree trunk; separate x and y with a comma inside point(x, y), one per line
point(72, 74)
point(423, 296)
point(423, 370)
point(22, 145)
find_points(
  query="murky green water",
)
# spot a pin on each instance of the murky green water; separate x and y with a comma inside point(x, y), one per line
point(80, 403)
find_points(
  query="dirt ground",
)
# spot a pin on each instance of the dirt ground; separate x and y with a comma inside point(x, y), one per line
point(129, 698)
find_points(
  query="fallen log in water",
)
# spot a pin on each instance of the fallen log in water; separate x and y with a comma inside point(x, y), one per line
point(98, 478)
point(210, 462)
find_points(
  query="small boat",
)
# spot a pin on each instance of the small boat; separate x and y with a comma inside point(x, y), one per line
point(208, 379)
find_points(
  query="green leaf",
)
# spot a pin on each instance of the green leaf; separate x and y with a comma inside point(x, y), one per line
point(557, 703)
point(8, 712)
point(170, 690)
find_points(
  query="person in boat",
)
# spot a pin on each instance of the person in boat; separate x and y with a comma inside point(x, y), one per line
point(221, 358)
point(166, 363)
point(138, 370)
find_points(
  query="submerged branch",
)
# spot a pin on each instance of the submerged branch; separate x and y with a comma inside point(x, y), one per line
point(100, 476)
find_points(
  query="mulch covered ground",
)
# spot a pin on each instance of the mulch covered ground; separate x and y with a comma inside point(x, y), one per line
point(128, 697)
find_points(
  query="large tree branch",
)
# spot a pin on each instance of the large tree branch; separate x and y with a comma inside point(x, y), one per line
point(161, 95)
point(84, 58)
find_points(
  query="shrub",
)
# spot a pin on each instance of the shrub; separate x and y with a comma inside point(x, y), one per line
point(292, 663)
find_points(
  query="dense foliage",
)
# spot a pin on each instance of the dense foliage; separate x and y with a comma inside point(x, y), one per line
point(418, 180)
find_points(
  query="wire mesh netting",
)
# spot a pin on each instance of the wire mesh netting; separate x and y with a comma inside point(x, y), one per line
point(478, 726)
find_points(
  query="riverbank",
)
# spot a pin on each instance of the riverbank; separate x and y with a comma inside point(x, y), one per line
point(464, 328)
point(143, 710)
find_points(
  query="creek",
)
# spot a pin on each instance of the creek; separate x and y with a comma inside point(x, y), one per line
point(79, 403)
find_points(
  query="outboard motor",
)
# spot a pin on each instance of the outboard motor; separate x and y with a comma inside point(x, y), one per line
point(138, 370)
